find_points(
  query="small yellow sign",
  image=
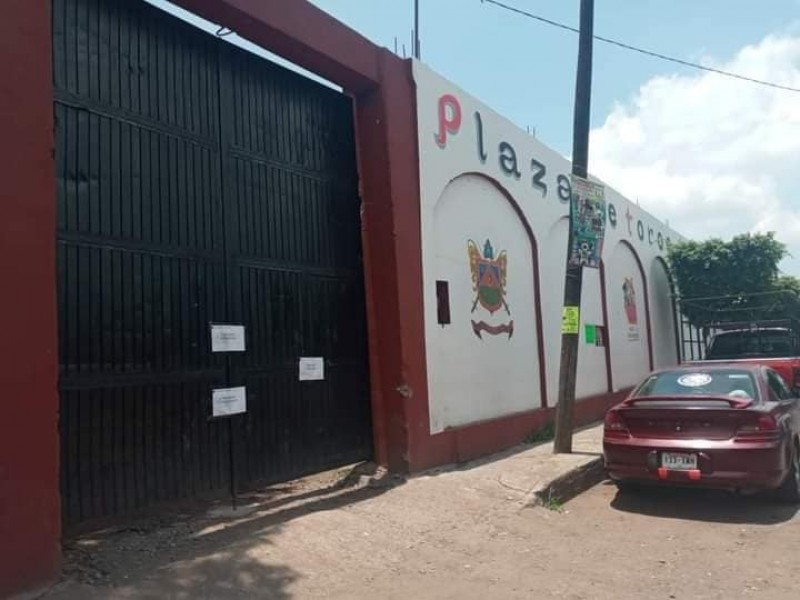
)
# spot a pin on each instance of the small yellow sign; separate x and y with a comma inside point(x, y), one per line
point(571, 320)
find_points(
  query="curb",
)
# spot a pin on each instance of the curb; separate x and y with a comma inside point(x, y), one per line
point(576, 481)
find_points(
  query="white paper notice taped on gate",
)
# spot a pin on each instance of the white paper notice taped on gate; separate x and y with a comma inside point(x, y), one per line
point(312, 369)
point(227, 338)
point(226, 402)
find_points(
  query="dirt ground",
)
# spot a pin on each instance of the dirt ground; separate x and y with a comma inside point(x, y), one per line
point(453, 534)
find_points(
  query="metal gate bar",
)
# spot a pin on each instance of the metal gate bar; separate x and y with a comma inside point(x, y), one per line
point(198, 183)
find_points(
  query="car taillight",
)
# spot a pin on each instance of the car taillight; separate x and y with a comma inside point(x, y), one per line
point(614, 426)
point(796, 378)
point(765, 429)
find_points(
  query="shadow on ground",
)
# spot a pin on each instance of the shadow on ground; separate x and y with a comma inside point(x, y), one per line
point(209, 553)
point(710, 506)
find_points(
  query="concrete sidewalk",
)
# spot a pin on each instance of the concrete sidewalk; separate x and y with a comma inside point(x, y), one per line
point(355, 533)
point(537, 476)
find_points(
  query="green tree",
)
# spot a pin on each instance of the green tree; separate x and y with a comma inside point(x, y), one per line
point(737, 280)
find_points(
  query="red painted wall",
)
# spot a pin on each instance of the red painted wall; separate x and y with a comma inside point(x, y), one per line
point(388, 166)
point(29, 502)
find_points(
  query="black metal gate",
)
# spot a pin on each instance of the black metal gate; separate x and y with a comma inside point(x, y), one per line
point(198, 183)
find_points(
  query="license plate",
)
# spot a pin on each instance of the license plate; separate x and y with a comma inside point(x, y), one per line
point(676, 461)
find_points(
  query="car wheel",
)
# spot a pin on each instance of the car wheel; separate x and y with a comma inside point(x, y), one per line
point(790, 489)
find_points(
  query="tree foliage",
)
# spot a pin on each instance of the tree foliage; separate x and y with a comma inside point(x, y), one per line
point(737, 280)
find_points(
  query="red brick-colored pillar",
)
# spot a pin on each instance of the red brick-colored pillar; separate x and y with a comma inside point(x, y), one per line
point(29, 497)
point(386, 123)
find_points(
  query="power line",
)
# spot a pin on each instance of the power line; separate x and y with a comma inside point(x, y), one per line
point(650, 53)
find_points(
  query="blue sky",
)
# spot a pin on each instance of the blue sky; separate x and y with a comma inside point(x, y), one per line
point(526, 70)
point(711, 155)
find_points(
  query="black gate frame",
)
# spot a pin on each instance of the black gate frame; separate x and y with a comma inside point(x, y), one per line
point(136, 374)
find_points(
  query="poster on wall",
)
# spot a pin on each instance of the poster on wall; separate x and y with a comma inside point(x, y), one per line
point(629, 300)
point(570, 320)
point(588, 222)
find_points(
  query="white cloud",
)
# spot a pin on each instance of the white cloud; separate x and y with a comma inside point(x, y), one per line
point(715, 156)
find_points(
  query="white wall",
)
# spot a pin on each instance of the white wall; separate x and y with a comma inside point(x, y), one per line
point(592, 377)
point(665, 351)
point(490, 374)
point(552, 253)
point(472, 379)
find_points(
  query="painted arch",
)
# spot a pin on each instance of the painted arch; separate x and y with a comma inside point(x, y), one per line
point(662, 317)
point(630, 334)
point(487, 362)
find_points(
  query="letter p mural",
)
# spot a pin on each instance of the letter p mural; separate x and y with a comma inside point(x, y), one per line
point(449, 118)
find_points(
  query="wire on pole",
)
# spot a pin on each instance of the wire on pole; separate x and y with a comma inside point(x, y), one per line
point(643, 51)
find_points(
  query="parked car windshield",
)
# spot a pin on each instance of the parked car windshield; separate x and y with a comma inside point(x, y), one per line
point(710, 382)
point(767, 343)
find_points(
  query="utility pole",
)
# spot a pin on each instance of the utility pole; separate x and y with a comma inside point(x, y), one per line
point(574, 280)
point(415, 41)
point(415, 49)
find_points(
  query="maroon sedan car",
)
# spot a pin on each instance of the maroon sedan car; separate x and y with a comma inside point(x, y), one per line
point(722, 426)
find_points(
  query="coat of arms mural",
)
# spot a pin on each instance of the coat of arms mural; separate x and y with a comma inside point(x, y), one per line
point(489, 280)
point(629, 300)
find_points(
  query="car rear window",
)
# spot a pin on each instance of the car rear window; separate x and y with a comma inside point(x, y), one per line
point(774, 343)
point(710, 382)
